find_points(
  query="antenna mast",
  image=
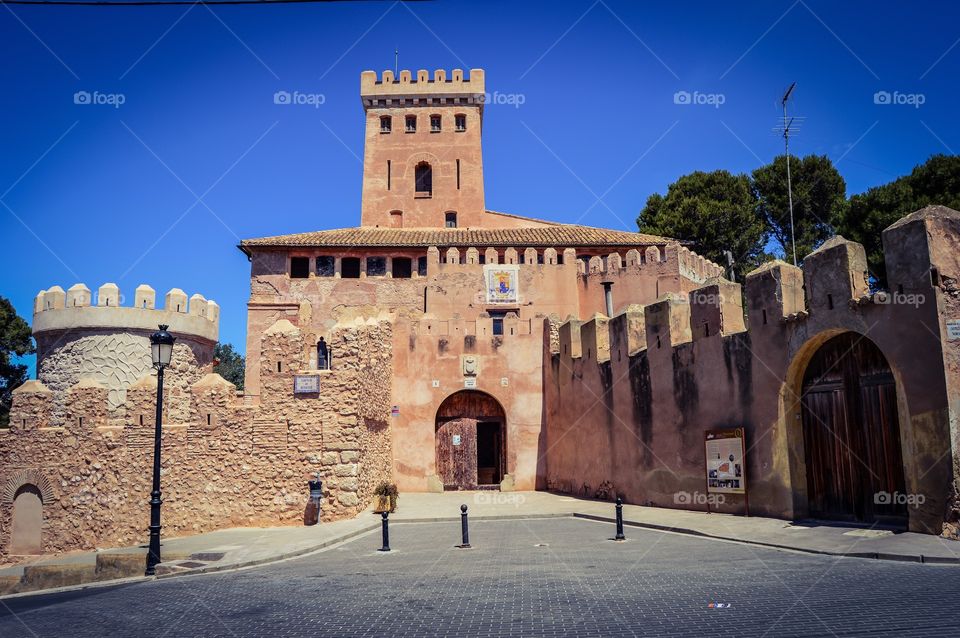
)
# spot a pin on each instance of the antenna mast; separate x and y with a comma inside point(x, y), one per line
point(786, 148)
point(396, 62)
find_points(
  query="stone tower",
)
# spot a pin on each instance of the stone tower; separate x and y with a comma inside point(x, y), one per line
point(422, 165)
point(81, 336)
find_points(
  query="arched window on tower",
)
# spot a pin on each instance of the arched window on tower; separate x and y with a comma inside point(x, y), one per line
point(423, 176)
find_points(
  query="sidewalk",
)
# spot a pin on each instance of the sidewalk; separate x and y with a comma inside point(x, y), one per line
point(243, 547)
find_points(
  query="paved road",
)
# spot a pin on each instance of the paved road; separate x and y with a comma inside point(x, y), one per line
point(522, 578)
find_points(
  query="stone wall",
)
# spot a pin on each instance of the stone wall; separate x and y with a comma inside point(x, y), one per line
point(628, 402)
point(225, 464)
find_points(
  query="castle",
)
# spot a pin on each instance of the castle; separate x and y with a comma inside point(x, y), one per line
point(464, 348)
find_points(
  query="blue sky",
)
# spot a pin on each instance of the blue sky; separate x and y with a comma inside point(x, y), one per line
point(159, 189)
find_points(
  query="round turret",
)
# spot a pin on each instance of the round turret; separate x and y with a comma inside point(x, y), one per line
point(80, 335)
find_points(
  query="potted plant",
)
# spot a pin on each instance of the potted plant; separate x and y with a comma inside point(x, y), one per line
point(385, 496)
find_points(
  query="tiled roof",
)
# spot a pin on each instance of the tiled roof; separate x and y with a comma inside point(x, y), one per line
point(557, 236)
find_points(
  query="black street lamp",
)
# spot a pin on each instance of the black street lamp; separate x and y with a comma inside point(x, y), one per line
point(161, 347)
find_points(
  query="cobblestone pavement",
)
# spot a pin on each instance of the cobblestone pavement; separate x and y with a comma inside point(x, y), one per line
point(522, 578)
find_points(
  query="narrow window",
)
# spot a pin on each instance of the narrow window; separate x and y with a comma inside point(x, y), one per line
point(498, 316)
point(830, 302)
point(350, 268)
point(376, 266)
point(450, 220)
point(326, 266)
point(388, 175)
point(208, 418)
point(385, 124)
point(483, 258)
point(422, 267)
point(279, 366)
point(461, 123)
point(458, 174)
point(402, 267)
point(141, 419)
point(299, 267)
point(764, 316)
point(423, 180)
point(559, 257)
point(411, 124)
point(435, 123)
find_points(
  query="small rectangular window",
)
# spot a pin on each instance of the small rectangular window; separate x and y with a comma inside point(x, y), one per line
point(299, 267)
point(422, 266)
point(450, 220)
point(385, 124)
point(401, 267)
point(461, 123)
point(350, 268)
point(411, 124)
point(326, 266)
point(434, 123)
point(376, 266)
point(497, 316)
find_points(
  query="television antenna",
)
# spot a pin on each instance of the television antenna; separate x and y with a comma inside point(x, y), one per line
point(396, 62)
point(787, 129)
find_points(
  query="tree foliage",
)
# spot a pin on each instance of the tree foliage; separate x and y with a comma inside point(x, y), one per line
point(15, 341)
point(937, 181)
point(715, 211)
point(819, 199)
point(231, 364)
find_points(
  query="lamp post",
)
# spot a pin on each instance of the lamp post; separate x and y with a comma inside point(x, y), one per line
point(161, 350)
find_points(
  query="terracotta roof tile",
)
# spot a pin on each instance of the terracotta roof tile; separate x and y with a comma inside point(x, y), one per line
point(557, 236)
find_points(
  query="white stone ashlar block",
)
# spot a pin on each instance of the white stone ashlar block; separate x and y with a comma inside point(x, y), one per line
point(108, 295)
point(145, 297)
point(198, 305)
point(54, 298)
point(78, 295)
point(176, 301)
point(213, 310)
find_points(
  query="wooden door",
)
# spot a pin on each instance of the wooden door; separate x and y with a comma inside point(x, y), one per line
point(457, 453)
point(851, 434)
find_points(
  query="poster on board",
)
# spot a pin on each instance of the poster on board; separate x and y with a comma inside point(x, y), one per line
point(725, 465)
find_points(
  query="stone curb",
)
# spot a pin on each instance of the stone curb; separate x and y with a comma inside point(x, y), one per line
point(909, 558)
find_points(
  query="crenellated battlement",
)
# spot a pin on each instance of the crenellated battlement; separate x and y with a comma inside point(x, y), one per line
point(77, 308)
point(439, 84)
point(833, 279)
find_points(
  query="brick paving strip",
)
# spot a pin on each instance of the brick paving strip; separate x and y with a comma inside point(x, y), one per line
point(246, 547)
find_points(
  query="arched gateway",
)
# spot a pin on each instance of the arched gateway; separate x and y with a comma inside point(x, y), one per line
point(851, 433)
point(470, 441)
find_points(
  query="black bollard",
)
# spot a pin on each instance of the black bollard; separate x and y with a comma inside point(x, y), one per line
point(464, 530)
point(619, 536)
point(385, 527)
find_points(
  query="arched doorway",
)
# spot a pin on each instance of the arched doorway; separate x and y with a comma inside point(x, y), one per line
point(470, 441)
point(851, 434)
point(27, 521)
